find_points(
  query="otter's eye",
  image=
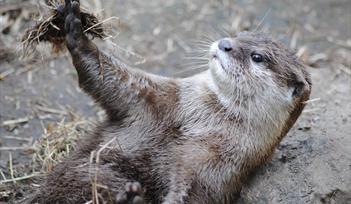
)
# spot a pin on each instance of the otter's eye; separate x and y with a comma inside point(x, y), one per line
point(256, 57)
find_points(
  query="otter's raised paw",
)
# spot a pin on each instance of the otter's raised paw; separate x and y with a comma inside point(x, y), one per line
point(131, 195)
point(73, 24)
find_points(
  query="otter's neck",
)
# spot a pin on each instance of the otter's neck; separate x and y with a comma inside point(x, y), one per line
point(260, 113)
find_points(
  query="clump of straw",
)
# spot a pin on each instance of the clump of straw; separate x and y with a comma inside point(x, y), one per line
point(59, 139)
point(56, 143)
point(51, 29)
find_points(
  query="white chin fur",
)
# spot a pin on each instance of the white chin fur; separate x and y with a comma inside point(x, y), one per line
point(219, 75)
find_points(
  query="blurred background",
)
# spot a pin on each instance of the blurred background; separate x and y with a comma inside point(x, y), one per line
point(39, 94)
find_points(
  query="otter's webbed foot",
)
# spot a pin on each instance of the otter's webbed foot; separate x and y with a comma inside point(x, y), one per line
point(131, 195)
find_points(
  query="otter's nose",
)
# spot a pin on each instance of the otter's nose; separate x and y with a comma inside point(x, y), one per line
point(225, 45)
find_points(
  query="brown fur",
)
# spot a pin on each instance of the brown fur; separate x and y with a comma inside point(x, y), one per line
point(177, 137)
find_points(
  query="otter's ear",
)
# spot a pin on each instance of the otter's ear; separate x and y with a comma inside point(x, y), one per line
point(301, 89)
point(298, 89)
point(300, 83)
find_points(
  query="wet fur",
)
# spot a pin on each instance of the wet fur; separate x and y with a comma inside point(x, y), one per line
point(190, 140)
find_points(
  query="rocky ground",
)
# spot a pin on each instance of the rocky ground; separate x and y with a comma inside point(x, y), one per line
point(312, 164)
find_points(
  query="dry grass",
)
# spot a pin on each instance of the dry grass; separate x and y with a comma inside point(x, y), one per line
point(51, 28)
point(55, 144)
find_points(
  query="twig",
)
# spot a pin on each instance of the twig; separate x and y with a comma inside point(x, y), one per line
point(11, 167)
point(93, 185)
point(100, 23)
point(345, 69)
point(14, 148)
point(341, 43)
point(51, 110)
point(3, 175)
point(103, 148)
point(4, 74)
point(294, 39)
point(97, 161)
point(16, 121)
point(19, 178)
point(17, 138)
point(317, 57)
point(311, 100)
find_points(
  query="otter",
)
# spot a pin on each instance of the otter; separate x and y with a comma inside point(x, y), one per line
point(178, 140)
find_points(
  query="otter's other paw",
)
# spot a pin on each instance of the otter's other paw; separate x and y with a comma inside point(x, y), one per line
point(131, 195)
point(73, 24)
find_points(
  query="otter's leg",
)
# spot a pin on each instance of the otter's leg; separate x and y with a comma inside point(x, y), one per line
point(112, 84)
point(180, 184)
point(72, 181)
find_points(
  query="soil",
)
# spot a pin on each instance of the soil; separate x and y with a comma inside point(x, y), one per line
point(311, 165)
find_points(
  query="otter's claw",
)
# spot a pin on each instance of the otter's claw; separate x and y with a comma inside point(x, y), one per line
point(131, 195)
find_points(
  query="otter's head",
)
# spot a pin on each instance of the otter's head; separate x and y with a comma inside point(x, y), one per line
point(252, 70)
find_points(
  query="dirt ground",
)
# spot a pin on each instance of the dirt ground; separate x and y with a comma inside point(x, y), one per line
point(311, 165)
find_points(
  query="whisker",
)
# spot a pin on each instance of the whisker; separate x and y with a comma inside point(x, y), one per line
point(189, 70)
point(208, 38)
point(223, 32)
point(204, 42)
point(196, 58)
